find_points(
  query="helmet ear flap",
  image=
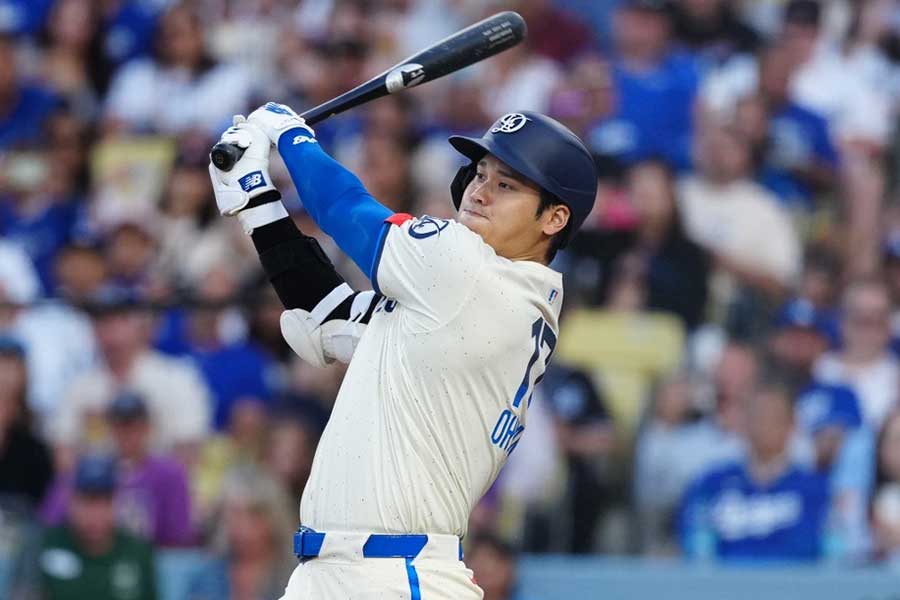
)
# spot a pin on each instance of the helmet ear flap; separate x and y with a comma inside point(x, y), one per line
point(459, 184)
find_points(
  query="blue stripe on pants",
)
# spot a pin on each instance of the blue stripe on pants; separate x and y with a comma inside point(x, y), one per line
point(415, 593)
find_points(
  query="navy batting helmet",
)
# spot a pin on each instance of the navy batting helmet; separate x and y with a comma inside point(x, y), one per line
point(541, 150)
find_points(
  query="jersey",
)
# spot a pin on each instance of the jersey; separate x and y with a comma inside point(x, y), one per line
point(436, 395)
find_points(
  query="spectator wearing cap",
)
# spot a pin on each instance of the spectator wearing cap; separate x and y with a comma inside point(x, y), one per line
point(26, 466)
point(649, 73)
point(801, 334)
point(180, 88)
point(89, 556)
point(177, 398)
point(763, 507)
point(864, 361)
point(152, 499)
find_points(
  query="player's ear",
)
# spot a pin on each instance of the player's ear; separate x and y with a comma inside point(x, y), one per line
point(555, 219)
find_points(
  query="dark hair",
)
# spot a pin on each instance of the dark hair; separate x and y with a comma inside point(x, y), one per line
point(881, 476)
point(560, 238)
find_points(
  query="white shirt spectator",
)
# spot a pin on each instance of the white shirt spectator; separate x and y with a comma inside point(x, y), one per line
point(876, 385)
point(176, 396)
point(59, 342)
point(146, 95)
point(742, 221)
point(833, 85)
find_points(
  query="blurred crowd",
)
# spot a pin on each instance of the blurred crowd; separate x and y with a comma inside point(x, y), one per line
point(727, 384)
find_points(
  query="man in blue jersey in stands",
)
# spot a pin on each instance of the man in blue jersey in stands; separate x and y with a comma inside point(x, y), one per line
point(762, 508)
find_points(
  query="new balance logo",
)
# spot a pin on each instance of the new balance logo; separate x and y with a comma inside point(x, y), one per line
point(304, 139)
point(278, 109)
point(251, 181)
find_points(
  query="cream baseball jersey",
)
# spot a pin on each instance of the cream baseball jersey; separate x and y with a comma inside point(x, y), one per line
point(436, 395)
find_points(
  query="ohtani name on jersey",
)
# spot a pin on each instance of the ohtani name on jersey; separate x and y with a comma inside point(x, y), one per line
point(507, 432)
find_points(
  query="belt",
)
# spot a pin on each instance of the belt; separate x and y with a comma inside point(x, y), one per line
point(308, 544)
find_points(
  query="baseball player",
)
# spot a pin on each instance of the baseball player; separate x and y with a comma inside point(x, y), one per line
point(460, 327)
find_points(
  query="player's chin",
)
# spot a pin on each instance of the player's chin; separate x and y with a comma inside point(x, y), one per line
point(475, 222)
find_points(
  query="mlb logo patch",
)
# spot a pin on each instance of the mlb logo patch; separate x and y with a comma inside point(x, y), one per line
point(251, 181)
point(554, 293)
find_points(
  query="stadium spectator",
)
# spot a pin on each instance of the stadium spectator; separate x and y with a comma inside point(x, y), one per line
point(292, 443)
point(24, 106)
point(712, 30)
point(800, 335)
point(152, 500)
point(864, 362)
point(554, 32)
point(677, 269)
point(648, 73)
point(830, 416)
point(181, 88)
point(763, 508)
point(885, 509)
point(233, 367)
point(58, 341)
point(88, 556)
point(798, 157)
point(73, 65)
point(493, 563)
point(177, 399)
point(665, 462)
point(26, 466)
point(585, 435)
point(253, 535)
point(727, 213)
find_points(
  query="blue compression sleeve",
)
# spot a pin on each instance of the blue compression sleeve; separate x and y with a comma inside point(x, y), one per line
point(335, 199)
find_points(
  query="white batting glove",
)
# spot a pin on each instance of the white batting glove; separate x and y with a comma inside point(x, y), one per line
point(250, 175)
point(275, 119)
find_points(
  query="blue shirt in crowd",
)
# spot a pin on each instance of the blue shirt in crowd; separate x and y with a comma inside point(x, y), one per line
point(25, 122)
point(797, 137)
point(235, 371)
point(729, 515)
point(653, 118)
point(23, 16)
point(42, 234)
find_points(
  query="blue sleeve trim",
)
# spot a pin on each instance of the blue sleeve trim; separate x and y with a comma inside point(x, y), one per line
point(414, 592)
point(335, 198)
point(373, 271)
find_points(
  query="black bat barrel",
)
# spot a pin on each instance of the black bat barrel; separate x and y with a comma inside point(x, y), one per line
point(467, 47)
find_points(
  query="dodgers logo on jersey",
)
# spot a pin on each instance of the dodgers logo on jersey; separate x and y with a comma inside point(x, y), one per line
point(251, 181)
point(510, 123)
point(427, 227)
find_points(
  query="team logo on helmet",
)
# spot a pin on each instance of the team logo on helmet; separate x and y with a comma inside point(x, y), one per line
point(510, 123)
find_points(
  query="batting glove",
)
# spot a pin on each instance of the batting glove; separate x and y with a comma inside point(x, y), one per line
point(275, 119)
point(246, 190)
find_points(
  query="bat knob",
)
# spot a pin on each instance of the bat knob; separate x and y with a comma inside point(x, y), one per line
point(225, 156)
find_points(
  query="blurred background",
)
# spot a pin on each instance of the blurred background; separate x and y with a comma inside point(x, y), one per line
point(721, 419)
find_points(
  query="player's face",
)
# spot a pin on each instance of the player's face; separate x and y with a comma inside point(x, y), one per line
point(502, 207)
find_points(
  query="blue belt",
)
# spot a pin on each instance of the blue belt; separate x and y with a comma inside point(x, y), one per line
point(308, 543)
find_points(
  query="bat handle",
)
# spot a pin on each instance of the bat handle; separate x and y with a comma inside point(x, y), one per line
point(225, 156)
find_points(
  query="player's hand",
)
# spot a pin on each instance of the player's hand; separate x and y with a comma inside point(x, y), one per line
point(250, 175)
point(275, 119)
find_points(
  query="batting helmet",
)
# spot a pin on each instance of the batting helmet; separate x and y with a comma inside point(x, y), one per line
point(541, 150)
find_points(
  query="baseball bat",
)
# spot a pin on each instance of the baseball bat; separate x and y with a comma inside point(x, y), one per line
point(466, 47)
